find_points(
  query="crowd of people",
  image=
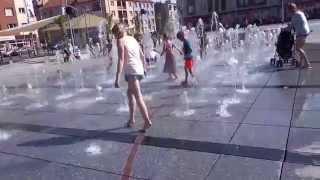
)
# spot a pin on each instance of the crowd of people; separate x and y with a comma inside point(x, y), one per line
point(131, 60)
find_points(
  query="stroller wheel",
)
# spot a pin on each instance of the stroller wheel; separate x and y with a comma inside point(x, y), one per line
point(279, 63)
point(272, 61)
point(286, 61)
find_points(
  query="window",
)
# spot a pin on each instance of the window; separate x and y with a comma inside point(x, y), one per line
point(246, 3)
point(11, 26)
point(243, 3)
point(112, 3)
point(8, 11)
point(132, 21)
point(223, 5)
point(31, 13)
point(170, 7)
point(210, 6)
point(119, 3)
point(260, 2)
point(113, 13)
point(217, 4)
point(175, 8)
point(121, 14)
point(131, 13)
point(191, 6)
point(22, 11)
point(24, 24)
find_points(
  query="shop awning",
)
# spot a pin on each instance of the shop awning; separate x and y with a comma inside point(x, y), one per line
point(81, 22)
point(7, 38)
point(28, 27)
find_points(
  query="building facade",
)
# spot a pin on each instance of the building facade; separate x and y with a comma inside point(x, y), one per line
point(122, 10)
point(46, 9)
point(15, 13)
point(241, 12)
point(164, 11)
point(127, 11)
point(25, 12)
point(8, 15)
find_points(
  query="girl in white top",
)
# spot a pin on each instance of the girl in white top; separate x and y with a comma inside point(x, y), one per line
point(133, 65)
point(131, 59)
point(301, 27)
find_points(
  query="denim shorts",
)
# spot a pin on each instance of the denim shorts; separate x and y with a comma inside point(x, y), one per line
point(128, 77)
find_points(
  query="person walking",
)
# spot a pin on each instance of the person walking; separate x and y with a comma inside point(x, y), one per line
point(131, 60)
point(301, 27)
point(170, 62)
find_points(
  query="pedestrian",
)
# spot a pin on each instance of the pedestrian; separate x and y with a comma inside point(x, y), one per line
point(109, 52)
point(203, 45)
point(131, 60)
point(301, 27)
point(154, 39)
point(66, 52)
point(188, 58)
point(170, 62)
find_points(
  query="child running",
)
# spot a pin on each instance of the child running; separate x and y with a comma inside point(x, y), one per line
point(188, 58)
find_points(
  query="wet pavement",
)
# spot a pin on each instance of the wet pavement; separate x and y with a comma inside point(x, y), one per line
point(69, 127)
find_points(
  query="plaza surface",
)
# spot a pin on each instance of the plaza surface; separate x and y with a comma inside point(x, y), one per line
point(66, 122)
point(58, 125)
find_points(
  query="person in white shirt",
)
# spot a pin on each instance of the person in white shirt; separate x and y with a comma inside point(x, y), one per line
point(131, 60)
point(301, 27)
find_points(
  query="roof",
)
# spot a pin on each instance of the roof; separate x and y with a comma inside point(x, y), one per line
point(56, 3)
point(80, 22)
point(7, 38)
point(28, 27)
point(149, 1)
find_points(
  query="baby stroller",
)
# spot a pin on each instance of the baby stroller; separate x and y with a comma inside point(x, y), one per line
point(284, 49)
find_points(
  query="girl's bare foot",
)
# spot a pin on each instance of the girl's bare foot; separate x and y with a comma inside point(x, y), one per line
point(130, 124)
point(146, 126)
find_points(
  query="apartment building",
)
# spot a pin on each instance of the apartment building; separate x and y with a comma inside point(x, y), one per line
point(164, 11)
point(8, 18)
point(127, 10)
point(239, 11)
point(25, 12)
point(16, 13)
point(50, 8)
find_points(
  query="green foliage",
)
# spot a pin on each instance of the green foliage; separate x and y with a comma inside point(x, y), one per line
point(109, 25)
point(60, 21)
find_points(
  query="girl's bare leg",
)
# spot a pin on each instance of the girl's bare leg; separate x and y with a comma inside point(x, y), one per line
point(136, 90)
point(132, 106)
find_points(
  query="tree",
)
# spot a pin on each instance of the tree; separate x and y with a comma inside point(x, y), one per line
point(60, 21)
point(170, 27)
point(109, 25)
